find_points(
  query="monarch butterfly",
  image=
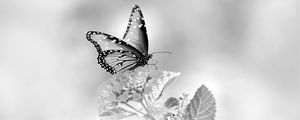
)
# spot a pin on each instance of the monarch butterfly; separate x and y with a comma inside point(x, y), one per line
point(118, 55)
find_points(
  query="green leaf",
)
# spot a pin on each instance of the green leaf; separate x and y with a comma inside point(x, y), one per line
point(202, 106)
point(171, 102)
point(160, 84)
point(116, 113)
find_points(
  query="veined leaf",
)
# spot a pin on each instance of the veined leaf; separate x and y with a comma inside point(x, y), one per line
point(116, 113)
point(202, 106)
point(171, 102)
point(159, 84)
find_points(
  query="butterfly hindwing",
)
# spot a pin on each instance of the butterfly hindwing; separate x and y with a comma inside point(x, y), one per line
point(136, 33)
point(114, 61)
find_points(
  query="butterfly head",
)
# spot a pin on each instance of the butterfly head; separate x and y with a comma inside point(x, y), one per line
point(148, 57)
point(144, 60)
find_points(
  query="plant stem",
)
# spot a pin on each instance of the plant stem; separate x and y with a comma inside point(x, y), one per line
point(148, 113)
point(134, 109)
point(128, 110)
point(146, 101)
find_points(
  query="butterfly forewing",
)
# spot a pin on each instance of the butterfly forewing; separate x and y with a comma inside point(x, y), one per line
point(103, 41)
point(136, 33)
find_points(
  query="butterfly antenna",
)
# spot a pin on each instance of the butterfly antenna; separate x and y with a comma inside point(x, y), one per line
point(162, 52)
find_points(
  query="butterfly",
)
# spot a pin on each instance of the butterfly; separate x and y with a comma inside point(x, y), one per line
point(118, 55)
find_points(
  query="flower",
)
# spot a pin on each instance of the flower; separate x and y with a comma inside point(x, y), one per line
point(123, 97)
point(135, 92)
point(136, 96)
point(128, 85)
point(148, 89)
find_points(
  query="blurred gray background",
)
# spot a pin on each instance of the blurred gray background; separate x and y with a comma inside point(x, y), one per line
point(245, 51)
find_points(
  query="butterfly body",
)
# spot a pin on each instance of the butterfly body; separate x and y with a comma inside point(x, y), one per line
point(118, 55)
point(144, 59)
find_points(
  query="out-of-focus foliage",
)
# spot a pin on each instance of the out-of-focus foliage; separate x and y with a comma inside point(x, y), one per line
point(242, 50)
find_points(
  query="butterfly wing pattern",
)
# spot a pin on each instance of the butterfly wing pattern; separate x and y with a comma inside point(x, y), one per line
point(116, 55)
point(136, 33)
